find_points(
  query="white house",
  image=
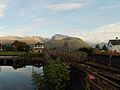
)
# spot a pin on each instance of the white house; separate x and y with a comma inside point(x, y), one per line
point(38, 47)
point(114, 45)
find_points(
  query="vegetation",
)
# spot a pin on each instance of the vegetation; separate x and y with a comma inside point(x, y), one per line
point(7, 47)
point(11, 53)
point(20, 46)
point(56, 76)
point(97, 47)
point(38, 81)
point(104, 47)
point(87, 50)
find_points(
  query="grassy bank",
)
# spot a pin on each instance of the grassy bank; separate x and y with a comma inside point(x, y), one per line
point(10, 53)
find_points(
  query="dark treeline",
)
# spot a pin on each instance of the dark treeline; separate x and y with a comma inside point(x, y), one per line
point(16, 46)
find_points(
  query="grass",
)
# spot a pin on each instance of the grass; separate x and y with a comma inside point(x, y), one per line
point(10, 53)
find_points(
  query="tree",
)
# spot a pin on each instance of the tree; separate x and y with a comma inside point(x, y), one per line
point(20, 46)
point(56, 76)
point(104, 47)
point(86, 50)
point(7, 47)
point(38, 81)
point(97, 47)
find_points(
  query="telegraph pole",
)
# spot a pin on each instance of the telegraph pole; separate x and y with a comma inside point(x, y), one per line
point(33, 40)
point(1, 46)
point(33, 43)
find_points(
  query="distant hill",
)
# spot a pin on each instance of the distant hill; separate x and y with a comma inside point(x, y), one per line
point(61, 41)
point(57, 41)
point(29, 40)
point(74, 43)
point(58, 37)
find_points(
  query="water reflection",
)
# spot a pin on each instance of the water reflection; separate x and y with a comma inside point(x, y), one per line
point(19, 78)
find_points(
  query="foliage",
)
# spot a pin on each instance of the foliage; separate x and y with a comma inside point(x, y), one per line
point(56, 76)
point(38, 81)
point(7, 47)
point(87, 50)
point(20, 46)
point(97, 47)
point(11, 53)
point(104, 47)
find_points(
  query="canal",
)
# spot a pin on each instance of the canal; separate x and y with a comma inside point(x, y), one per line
point(18, 75)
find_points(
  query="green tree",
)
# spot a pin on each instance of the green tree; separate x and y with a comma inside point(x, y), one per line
point(104, 47)
point(86, 50)
point(38, 81)
point(97, 47)
point(56, 76)
point(7, 47)
point(20, 46)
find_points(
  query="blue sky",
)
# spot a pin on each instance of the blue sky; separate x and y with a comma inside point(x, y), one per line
point(49, 17)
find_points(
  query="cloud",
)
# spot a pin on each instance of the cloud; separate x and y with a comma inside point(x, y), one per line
point(102, 34)
point(36, 23)
point(26, 29)
point(109, 7)
point(64, 6)
point(3, 6)
point(30, 8)
point(97, 35)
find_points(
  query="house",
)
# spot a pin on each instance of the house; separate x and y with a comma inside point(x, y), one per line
point(114, 45)
point(38, 47)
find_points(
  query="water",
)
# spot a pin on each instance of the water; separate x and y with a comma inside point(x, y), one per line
point(17, 79)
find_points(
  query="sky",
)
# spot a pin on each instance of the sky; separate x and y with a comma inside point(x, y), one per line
point(48, 17)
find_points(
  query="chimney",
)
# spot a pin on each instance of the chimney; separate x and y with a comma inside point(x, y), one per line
point(116, 38)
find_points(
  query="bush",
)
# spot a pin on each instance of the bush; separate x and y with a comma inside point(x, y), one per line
point(56, 76)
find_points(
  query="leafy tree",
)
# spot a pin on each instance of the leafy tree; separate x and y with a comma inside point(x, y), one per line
point(20, 46)
point(7, 47)
point(87, 50)
point(38, 81)
point(104, 47)
point(56, 76)
point(97, 47)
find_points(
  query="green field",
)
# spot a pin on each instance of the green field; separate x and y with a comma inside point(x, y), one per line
point(18, 53)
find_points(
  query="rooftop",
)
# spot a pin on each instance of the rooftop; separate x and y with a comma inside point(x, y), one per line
point(115, 42)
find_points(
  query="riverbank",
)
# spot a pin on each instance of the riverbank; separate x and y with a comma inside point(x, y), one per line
point(10, 53)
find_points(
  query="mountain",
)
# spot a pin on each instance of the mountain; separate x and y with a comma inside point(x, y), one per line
point(58, 37)
point(74, 43)
point(61, 41)
point(102, 34)
point(29, 39)
point(57, 41)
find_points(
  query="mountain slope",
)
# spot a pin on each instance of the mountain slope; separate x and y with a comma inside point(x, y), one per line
point(58, 37)
point(74, 43)
point(66, 42)
point(29, 40)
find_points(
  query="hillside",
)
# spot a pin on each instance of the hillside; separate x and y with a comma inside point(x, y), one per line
point(58, 37)
point(29, 40)
point(57, 41)
point(66, 42)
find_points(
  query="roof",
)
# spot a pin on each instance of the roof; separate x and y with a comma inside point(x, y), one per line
point(39, 43)
point(114, 42)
